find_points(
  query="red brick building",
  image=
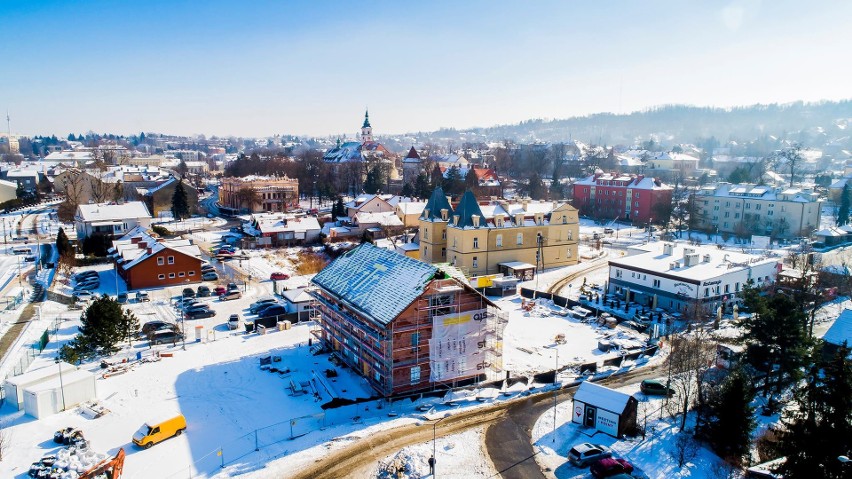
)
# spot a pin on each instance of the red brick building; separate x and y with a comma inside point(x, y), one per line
point(618, 196)
point(148, 261)
point(405, 325)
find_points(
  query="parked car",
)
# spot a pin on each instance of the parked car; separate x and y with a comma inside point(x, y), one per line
point(609, 231)
point(652, 387)
point(219, 290)
point(274, 310)
point(609, 467)
point(224, 252)
point(156, 325)
point(232, 286)
point(30, 259)
point(234, 322)
point(188, 293)
point(85, 274)
point(262, 303)
point(186, 302)
point(21, 238)
point(200, 313)
point(586, 453)
point(121, 298)
point(207, 268)
point(196, 307)
point(88, 284)
point(203, 291)
point(142, 296)
point(211, 276)
point(84, 295)
point(279, 276)
point(153, 432)
point(259, 309)
point(165, 337)
point(231, 295)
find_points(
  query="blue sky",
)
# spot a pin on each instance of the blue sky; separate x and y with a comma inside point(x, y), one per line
point(311, 67)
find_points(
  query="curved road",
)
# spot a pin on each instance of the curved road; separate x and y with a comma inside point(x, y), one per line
point(508, 440)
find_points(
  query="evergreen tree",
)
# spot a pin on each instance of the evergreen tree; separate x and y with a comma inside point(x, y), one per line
point(421, 186)
point(180, 203)
point(731, 419)
point(843, 212)
point(373, 184)
point(453, 183)
point(338, 209)
point(71, 137)
point(471, 182)
point(104, 326)
point(819, 429)
point(63, 245)
point(436, 178)
point(776, 338)
point(535, 187)
point(407, 190)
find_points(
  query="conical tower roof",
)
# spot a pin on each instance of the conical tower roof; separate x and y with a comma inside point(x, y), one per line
point(468, 206)
point(437, 202)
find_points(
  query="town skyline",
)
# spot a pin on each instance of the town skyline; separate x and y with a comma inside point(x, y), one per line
point(303, 70)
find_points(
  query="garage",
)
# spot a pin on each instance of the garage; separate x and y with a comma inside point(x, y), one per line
point(606, 410)
point(59, 393)
point(15, 385)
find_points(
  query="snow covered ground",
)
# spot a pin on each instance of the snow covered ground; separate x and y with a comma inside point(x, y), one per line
point(459, 456)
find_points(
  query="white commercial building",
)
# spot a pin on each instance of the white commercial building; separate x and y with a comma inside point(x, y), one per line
point(674, 275)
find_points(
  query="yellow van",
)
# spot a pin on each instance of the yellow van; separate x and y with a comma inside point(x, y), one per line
point(156, 431)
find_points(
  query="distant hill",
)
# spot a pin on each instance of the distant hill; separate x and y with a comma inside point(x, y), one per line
point(812, 124)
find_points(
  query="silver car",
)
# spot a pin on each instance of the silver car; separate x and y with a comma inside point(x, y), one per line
point(584, 454)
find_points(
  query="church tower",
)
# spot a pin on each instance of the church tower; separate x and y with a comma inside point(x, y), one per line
point(366, 129)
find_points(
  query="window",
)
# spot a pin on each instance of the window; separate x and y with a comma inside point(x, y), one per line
point(161, 261)
point(475, 262)
point(520, 239)
point(770, 213)
point(737, 287)
point(171, 260)
point(444, 235)
point(618, 273)
point(181, 274)
point(564, 220)
point(443, 252)
point(727, 214)
point(425, 233)
point(455, 241)
point(192, 273)
point(727, 288)
point(499, 241)
point(161, 276)
point(636, 195)
point(475, 243)
point(415, 339)
point(171, 275)
point(415, 375)
point(568, 255)
point(636, 204)
point(656, 283)
point(736, 216)
point(570, 235)
point(706, 292)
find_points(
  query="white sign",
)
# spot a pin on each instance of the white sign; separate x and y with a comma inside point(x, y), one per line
point(457, 345)
point(607, 422)
point(578, 413)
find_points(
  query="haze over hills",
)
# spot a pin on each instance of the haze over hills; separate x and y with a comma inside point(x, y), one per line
point(809, 123)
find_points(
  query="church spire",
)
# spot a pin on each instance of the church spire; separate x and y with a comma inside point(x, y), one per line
point(366, 129)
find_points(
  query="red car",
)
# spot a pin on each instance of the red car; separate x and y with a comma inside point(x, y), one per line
point(278, 276)
point(220, 290)
point(610, 467)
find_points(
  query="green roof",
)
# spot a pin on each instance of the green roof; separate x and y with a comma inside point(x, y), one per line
point(437, 202)
point(468, 206)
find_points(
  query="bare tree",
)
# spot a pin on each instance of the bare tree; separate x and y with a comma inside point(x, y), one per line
point(690, 356)
point(74, 185)
point(789, 159)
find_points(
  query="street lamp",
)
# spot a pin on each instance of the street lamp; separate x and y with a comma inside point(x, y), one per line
point(555, 374)
point(434, 460)
point(61, 385)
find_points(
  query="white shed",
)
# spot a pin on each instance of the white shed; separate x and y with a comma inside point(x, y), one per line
point(14, 386)
point(607, 410)
point(298, 301)
point(58, 394)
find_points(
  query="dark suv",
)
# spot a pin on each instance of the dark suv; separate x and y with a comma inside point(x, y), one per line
point(165, 337)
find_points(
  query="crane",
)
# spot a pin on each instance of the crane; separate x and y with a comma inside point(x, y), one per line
point(111, 468)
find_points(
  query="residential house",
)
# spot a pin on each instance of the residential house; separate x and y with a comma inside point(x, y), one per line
point(611, 196)
point(145, 260)
point(268, 193)
point(159, 198)
point(110, 219)
point(283, 229)
point(404, 325)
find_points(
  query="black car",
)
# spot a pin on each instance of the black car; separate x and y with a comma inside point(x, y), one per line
point(203, 291)
point(156, 325)
point(232, 286)
point(165, 337)
point(274, 310)
point(86, 274)
point(188, 293)
point(200, 313)
point(655, 388)
point(262, 304)
point(197, 307)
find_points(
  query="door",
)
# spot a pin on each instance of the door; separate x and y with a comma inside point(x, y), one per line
point(589, 419)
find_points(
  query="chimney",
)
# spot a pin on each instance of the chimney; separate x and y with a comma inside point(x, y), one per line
point(143, 244)
point(668, 249)
point(150, 250)
point(134, 240)
point(688, 251)
point(524, 203)
point(706, 258)
point(691, 259)
point(475, 220)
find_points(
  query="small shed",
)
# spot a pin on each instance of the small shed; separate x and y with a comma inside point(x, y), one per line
point(840, 332)
point(607, 410)
point(298, 301)
point(14, 386)
point(520, 270)
point(59, 393)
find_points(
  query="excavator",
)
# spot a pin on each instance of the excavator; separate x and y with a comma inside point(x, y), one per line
point(108, 468)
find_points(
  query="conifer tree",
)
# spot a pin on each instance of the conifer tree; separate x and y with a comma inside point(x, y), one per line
point(843, 211)
point(731, 419)
point(63, 245)
point(103, 326)
point(180, 202)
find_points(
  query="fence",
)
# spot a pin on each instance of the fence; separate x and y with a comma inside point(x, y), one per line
point(24, 359)
point(263, 439)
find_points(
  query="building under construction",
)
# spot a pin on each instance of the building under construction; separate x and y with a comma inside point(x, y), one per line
point(407, 326)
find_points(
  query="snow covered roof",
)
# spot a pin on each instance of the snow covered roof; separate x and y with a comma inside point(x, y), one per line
point(841, 330)
point(411, 207)
point(375, 281)
point(602, 397)
point(652, 257)
point(107, 212)
point(387, 218)
point(298, 295)
point(133, 248)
